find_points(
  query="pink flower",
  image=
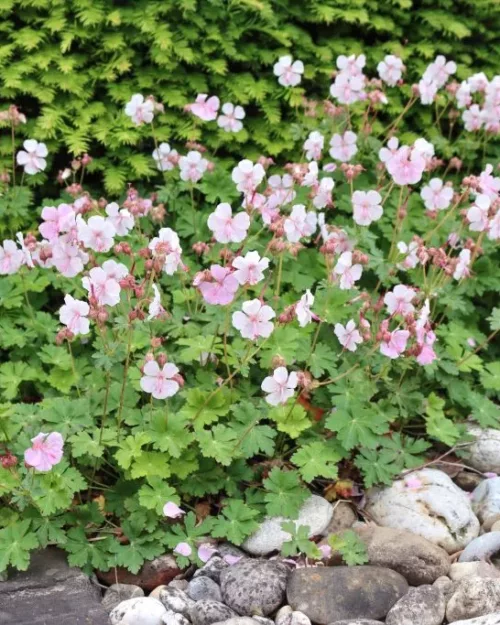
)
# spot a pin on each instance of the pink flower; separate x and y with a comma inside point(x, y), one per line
point(303, 309)
point(32, 157)
point(56, 221)
point(427, 90)
point(139, 110)
point(115, 270)
point(348, 89)
point(27, 258)
point(204, 107)
point(166, 245)
point(165, 157)
point(172, 510)
point(11, 258)
point(425, 340)
point(313, 146)
point(250, 268)
point(439, 71)
point(349, 273)
point(410, 249)
point(311, 177)
point(489, 184)
point(348, 336)
point(477, 214)
point(300, 224)
point(160, 383)
point(74, 315)
point(97, 234)
point(413, 482)
point(463, 95)
point(45, 452)
point(254, 321)
point(351, 65)
point(478, 82)
point(289, 72)
point(473, 118)
point(206, 551)
point(247, 176)
point(231, 559)
point(490, 474)
point(424, 148)
point(155, 309)
point(343, 147)
point(406, 166)
point(367, 207)
point(183, 549)
point(282, 187)
point(386, 153)
point(280, 386)
point(494, 228)
point(436, 195)
point(462, 269)
point(68, 258)
point(323, 196)
point(231, 120)
point(121, 220)
point(99, 285)
point(226, 228)
point(398, 301)
point(395, 345)
point(326, 551)
point(192, 166)
point(223, 288)
point(391, 69)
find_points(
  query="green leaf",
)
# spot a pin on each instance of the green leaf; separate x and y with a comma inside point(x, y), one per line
point(317, 459)
point(236, 522)
point(490, 376)
point(322, 360)
point(151, 464)
point(494, 319)
point(16, 543)
point(299, 542)
point(438, 425)
point(154, 496)
point(290, 418)
point(204, 408)
point(284, 493)
point(350, 546)
point(361, 427)
point(219, 443)
point(252, 438)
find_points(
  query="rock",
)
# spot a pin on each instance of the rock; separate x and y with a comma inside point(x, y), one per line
point(424, 605)
point(495, 527)
point(445, 585)
point(481, 548)
point(484, 453)
point(181, 584)
point(417, 559)
point(343, 518)
point(117, 593)
point(287, 616)
point(263, 620)
point(139, 611)
point(437, 510)
point(228, 549)
point(172, 618)
point(474, 596)
point(460, 570)
point(204, 588)
point(154, 573)
point(358, 621)
point(344, 592)
point(486, 502)
point(207, 612)
point(51, 592)
point(213, 568)
point(316, 513)
point(490, 619)
point(466, 480)
point(254, 587)
point(155, 593)
point(238, 620)
point(176, 600)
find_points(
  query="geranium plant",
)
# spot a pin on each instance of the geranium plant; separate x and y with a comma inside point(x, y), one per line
point(181, 364)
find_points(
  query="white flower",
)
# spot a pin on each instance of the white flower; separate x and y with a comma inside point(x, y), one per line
point(398, 301)
point(97, 234)
point(299, 223)
point(348, 336)
point(115, 270)
point(139, 110)
point(478, 213)
point(462, 268)
point(106, 290)
point(160, 383)
point(351, 65)
point(424, 148)
point(311, 177)
point(230, 120)
point(155, 309)
point(11, 258)
point(167, 245)
point(391, 69)
point(247, 176)
point(313, 146)
point(427, 91)
point(254, 321)
point(250, 268)
point(386, 153)
point(343, 147)
point(28, 260)
point(348, 89)
point(366, 207)
point(439, 71)
point(303, 309)
point(289, 72)
point(192, 166)
point(494, 228)
point(165, 157)
point(323, 197)
point(280, 386)
point(74, 315)
point(478, 82)
point(32, 158)
point(122, 221)
point(225, 227)
point(436, 195)
point(349, 273)
point(473, 118)
point(463, 95)
point(411, 260)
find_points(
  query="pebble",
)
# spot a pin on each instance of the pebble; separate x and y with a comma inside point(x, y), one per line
point(485, 502)
point(490, 619)
point(172, 618)
point(117, 593)
point(473, 596)
point(206, 612)
point(437, 509)
point(417, 559)
point(316, 513)
point(138, 611)
point(287, 616)
point(460, 570)
point(334, 593)
point(343, 518)
point(213, 568)
point(254, 587)
point(484, 453)
point(445, 585)
point(238, 620)
point(155, 593)
point(204, 588)
point(424, 605)
point(176, 600)
point(466, 480)
point(481, 548)
point(362, 621)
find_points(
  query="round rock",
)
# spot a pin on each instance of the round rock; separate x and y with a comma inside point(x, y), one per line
point(358, 621)
point(417, 559)
point(424, 605)
point(172, 618)
point(176, 600)
point(436, 509)
point(212, 568)
point(484, 453)
point(139, 611)
point(204, 588)
point(490, 619)
point(343, 518)
point(287, 616)
point(316, 513)
point(473, 597)
point(485, 502)
point(481, 548)
point(254, 587)
point(460, 570)
point(334, 593)
point(117, 593)
point(153, 573)
point(238, 620)
point(207, 612)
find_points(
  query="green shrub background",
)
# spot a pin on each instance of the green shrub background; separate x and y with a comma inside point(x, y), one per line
point(71, 65)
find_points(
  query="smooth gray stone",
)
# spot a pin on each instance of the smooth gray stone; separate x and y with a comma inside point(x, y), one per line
point(481, 548)
point(117, 593)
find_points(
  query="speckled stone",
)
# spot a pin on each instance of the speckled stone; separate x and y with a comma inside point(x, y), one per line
point(176, 600)
point(204, 588)
point(117, 593)
point(207, 612)
point(460, 570)
point(484, 453)
point(424, 605)
point(139, 611)
point(473, 597)
point(490, 619)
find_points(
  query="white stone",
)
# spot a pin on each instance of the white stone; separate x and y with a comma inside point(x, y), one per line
point(473, 597)
point(140, 611)
point(316, 513)
point(173, 618)
point(484, 453)
point(287, 616)
point(459, 570)
point(437, 509)
point(485, 502)
point(489, 619)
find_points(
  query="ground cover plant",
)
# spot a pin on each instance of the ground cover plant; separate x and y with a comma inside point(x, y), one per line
point(179, 364)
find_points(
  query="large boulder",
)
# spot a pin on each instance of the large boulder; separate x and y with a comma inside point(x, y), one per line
point(473, 597)
point(334, 593)
point(427, 503)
